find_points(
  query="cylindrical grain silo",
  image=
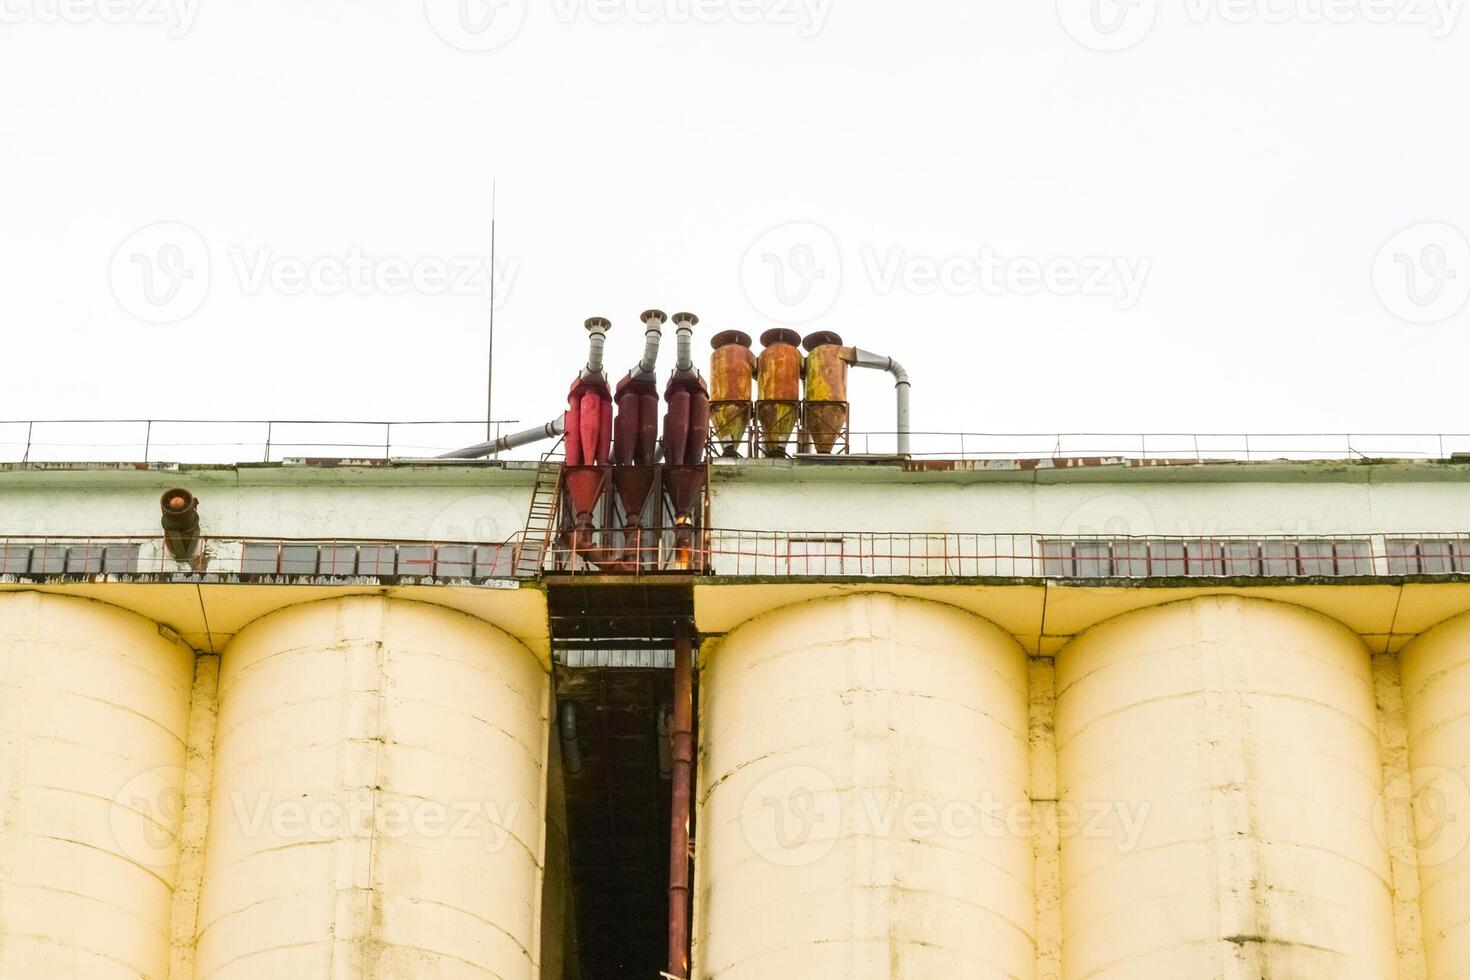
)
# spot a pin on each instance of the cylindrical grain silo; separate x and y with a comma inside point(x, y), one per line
point(1218, 767)
point(94, 712)
point(863, 795)
point(378, 798)
point(1436, 682)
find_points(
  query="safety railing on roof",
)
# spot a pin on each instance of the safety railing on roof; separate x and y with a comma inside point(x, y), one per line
point(237, 441)
point(1164, 445)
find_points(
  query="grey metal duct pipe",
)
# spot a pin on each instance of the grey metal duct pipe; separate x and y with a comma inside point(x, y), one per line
point(653, 332)
point(867, 359)
point(685, 323)
point(525, 437)
point(571, 746)
point(597, 328)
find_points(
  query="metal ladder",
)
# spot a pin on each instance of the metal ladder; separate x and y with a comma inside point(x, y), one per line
point(541, 519)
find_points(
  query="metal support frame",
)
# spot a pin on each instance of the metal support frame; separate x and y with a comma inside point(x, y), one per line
point(842, 444)
point(757, 430)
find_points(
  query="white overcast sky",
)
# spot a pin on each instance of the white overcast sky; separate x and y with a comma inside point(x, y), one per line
point(1286, 189)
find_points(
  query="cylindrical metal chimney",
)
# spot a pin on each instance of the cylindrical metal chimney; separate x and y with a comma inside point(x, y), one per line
point(597, 328)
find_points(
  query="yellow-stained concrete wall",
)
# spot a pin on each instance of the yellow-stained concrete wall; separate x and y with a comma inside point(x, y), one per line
point(378, 799)
point(1436, 685)
point(94, 716)
point(1239, 739)
point(558, 907)
point(859, 760)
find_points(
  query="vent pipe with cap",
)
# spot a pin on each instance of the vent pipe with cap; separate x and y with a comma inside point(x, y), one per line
point(180, 524)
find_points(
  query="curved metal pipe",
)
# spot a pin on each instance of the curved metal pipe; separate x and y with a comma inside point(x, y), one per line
point(685, 323)
point(653, 332)
point(858, 357)
point(525, 437)
point(597, 328)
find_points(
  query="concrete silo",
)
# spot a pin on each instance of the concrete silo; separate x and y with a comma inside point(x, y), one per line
point(379, 797)
point(1436, 683)
point(860, 758)
point(94, 710)
point(1220, 757)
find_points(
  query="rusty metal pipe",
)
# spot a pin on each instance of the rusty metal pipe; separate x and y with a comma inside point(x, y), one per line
point(858, 357)
point(682, 737)
point(180, 523)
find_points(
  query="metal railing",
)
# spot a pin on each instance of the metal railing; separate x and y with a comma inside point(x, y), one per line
point(332, 558)
point(870, 554)
point(236, 440)
point(266, 440)
point(765, 554)
point(1164, 445)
